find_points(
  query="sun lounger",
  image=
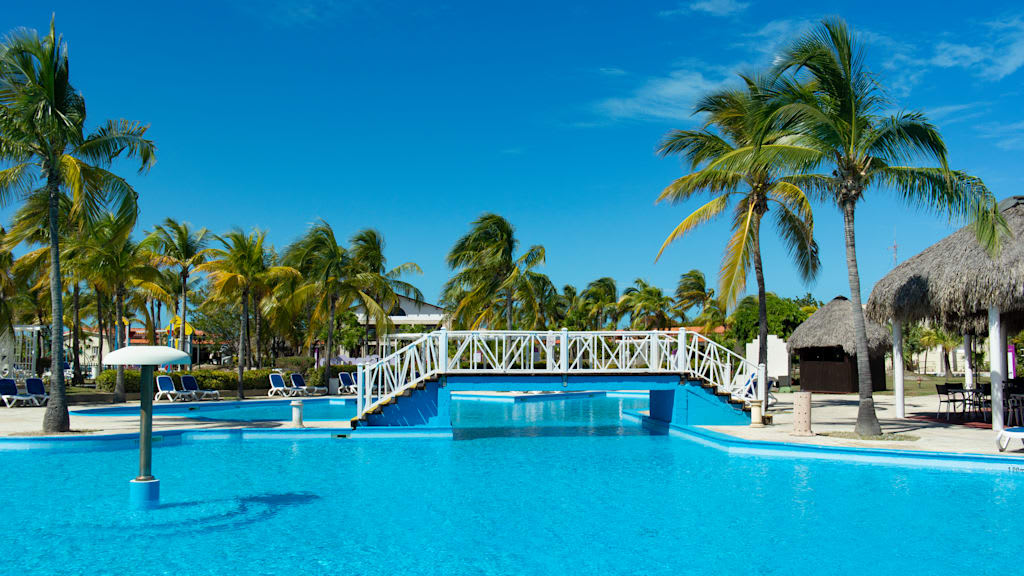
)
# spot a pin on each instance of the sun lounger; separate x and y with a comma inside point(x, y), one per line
point(1007, 434)
point(37, 390)
point(277, 386)
point(165, 388)
point(346, 384)
point(10, 396)
point(188, 382)
point(299, 382)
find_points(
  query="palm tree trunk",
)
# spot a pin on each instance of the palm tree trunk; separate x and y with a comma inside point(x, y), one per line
point(945, 363)
point(99, 325)
point(56, 418)
point(119, 336)
point(184, 307)
point(248, 340)
point(867, 420)
point(76, 357)
point(259, 347)
point(762, 305)
point(330, 346)
point(243, 337)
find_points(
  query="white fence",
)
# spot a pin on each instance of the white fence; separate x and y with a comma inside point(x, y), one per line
point(562, 352)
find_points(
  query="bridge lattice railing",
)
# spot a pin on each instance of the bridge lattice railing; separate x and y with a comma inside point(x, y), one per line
point(560, 352)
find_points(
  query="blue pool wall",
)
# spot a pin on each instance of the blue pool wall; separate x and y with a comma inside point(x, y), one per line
point(671, 401)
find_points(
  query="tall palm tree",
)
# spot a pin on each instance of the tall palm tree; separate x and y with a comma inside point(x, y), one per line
point(121, 266)
point(42, 138)
point(182, 248)
point(232, 271)
point(488, 273)
point(692, 291)
point(736, 126)
point(369, 267)
point(840, 115)
point(647, 306)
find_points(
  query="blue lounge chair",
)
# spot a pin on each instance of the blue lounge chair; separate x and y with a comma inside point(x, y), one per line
point(165, 388)
point(188, 382)
point(299, 382)
point(347, 384)
point(277, 386)
point(37, 390)
point(10, 396)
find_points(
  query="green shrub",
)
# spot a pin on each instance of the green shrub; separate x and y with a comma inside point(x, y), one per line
point(213, 379)
point(107, 380)
point(316, 375)
point(301, 364)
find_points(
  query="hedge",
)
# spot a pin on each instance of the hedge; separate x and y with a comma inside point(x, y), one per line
point(316, 375)
point(216, 379)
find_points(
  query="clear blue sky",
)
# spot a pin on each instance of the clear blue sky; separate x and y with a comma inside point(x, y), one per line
point(415, 117)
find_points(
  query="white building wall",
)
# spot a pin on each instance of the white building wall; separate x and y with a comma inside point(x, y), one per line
point(778, 356)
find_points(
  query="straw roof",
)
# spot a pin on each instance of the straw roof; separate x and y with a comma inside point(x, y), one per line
point(954, 281)
point(832, 325)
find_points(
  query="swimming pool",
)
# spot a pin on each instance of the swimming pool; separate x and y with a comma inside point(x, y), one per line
point(561, 487)
point(251, 410)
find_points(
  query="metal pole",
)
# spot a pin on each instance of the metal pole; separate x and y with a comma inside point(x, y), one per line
point(146, 424)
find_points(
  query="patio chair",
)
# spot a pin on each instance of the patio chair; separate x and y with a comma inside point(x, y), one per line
point(188, 382)
point(299, 382)
point(946, 397)
point(277, 386)
point(165, 389)
point(347, 383)
point(37, 390)
point(10, 396)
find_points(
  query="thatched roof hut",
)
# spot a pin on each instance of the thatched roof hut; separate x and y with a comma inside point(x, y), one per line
point(832, 326)
point(954, 281)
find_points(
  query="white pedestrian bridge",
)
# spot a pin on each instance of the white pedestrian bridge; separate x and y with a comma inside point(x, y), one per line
point(691, 379)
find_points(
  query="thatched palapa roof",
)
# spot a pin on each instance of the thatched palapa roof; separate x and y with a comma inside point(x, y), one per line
point(954, 281)
point(832, 325)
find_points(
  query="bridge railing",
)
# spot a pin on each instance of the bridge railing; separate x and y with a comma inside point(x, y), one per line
point(561, 352)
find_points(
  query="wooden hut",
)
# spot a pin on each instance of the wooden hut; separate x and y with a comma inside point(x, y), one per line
point(957, 284)
point(827, 351)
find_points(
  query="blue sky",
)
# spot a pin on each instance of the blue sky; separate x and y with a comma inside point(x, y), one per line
point(415, 117)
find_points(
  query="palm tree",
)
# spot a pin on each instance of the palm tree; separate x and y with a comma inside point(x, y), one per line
point(121, 266)
point(489, 272)
point(692, 291)
point(647, 306)
point(232, 271)
point(840, 115)
point(182, 248)
point(369, 268)
point(42, 137)
point(601, 303)
point(736, 126)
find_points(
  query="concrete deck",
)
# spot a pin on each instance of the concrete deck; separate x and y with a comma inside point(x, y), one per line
point(838, 413)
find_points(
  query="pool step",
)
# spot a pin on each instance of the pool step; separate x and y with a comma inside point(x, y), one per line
point(378, 408)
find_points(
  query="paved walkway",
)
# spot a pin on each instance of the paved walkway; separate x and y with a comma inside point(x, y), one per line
point(838, 413)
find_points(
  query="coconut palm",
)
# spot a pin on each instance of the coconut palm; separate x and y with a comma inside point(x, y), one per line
point(369, 267)
point(840, 114)
point(232, 271)
point(42, 137)
point(601, 303)
point(121, 266)
point(648, 307)
point(736, 126)
point(692, 292)
point(488, 273)
point(182, 248)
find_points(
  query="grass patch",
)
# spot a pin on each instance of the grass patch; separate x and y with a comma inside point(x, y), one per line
point(880, 437)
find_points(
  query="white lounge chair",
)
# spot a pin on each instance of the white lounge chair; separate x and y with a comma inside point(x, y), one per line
point(11, 397)
point(1007, 434)
point(188, 382)
point(277, 386)
point(165, 388)
point(37, 390)
point(299, 383)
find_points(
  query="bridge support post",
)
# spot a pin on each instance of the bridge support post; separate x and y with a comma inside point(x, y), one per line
point(682, 362)
point(360, 383)
point(762, 385)
point(563, 351)
point(654, 362)
point(442, 354)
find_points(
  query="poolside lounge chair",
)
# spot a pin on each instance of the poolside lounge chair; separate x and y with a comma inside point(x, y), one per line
point(1007, 434)
point(299, 382)
point(165, 388)
point(10, 396)
point(277, 386)
point(37, 390)
point(188, 382)
point(346, 384)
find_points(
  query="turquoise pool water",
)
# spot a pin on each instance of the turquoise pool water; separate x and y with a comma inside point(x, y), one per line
point(261, 410)
point(561, 487)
